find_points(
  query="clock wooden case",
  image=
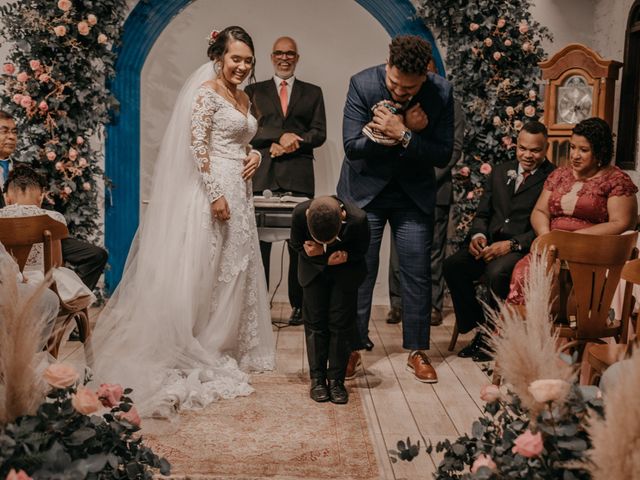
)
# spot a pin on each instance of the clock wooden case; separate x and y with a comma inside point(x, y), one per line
point(579, 84)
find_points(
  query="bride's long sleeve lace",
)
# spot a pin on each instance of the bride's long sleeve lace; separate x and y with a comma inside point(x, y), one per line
point(204, 107)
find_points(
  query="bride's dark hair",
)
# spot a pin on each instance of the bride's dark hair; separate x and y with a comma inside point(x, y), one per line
point(219, 45)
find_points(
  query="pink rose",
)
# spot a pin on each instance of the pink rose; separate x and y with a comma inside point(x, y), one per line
point(92, 19)
point(488, 42)
point(59, 166)
point(35, 64)
point(51, 156)
point(82, 163)
point(17, 98)
point(9, 68)
point(497, 56)
point(483, 461)
point(73, 154)
point(85, 401)
point(528, 444)
point(43, 106)
point(510, 111)
point(532, 95)
point(470, 195)
point(19, 475)
point(489, 393)
point(60, 30)
point(507, 43)
point(109, 394)
point(527, 47)
point(507, 141)
point(79, 140)
point(86, 186)
point(83, 28)
point(501, 23)
point(67, 190)
point(473, 27)
point(64, 5)
point(497, 121)
point(485, 169)
point(25, 101)
point(60, 375)
point(550, 390)
point(102, 38)
point(464, 172)
point(131, 416)
point(529, 110)
point(518, 125)
point(44, 78)
point(523, 27)
point(22, 77)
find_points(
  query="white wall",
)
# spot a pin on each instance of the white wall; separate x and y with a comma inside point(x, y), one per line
point(336, 39)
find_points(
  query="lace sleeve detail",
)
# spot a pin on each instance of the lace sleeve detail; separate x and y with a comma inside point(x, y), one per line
point(621, 184)
point(204, 107)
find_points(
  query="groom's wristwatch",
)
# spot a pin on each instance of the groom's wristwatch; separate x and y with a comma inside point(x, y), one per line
point(406, 138)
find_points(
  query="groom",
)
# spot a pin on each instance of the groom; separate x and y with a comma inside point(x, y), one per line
point(398, 126)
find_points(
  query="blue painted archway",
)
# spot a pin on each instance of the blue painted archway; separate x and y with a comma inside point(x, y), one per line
point(122, 149)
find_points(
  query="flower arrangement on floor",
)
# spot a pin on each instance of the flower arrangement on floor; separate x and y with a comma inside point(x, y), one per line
point(541, 424)
point(54, 83)
point(50, 426)
point(493, 49)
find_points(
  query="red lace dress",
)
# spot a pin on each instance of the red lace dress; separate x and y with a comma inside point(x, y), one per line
point(574, 205)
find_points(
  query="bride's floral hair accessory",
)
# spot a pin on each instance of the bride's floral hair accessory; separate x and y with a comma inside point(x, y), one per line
point(213, 36)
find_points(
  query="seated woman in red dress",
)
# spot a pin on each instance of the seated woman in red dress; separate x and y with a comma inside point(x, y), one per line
point(587, 196)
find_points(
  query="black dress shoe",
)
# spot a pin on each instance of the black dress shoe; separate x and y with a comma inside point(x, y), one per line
point(484, 352)
point(296, 316)
point(337, 392)
point(74, 336)
point(319, 391)
point(368, 345)
point(394, 315)
point(436, 317)
point(470, 350)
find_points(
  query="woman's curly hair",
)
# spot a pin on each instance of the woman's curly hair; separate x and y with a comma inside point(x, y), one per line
point(410, 54)
point(220, 44)
point(598, 134)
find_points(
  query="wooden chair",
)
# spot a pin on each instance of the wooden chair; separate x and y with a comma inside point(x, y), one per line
point(18, 236)
point(594, 263)
point(601, 357)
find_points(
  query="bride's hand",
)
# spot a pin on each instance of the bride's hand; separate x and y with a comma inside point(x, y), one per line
point(220, 210)
point(251, 164)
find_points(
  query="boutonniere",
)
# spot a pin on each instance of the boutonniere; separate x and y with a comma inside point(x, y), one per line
point(511, 175)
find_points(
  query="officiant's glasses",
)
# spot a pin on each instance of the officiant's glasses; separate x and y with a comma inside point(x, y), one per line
point(286, 54)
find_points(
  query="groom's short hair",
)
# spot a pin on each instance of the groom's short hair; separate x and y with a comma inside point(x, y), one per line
point(324, 218)
point(410, 54)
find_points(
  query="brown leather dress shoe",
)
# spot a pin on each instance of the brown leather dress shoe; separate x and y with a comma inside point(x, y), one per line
point(418, 363)
point(354, 364)
point(436, 317)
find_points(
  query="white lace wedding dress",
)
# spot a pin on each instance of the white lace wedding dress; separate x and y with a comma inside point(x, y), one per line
point(191, 315)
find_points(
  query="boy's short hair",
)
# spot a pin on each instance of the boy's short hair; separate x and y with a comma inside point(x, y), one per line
point(23, 177)
point(323, 219)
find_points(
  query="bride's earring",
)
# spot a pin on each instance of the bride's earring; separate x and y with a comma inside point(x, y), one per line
point(217, 67)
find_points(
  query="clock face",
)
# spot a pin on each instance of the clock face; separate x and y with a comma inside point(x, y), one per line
point(575, 100)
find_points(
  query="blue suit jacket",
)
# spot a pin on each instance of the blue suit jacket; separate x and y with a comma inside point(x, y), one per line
point(368, 167)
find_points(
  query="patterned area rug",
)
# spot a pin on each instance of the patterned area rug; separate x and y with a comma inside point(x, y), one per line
point(278, 432)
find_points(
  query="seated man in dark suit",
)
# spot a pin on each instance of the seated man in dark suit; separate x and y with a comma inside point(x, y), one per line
point(500, 235)
point(331, 239)
point(291, 123)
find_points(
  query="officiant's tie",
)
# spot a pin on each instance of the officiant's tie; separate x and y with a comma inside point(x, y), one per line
point(284, 98)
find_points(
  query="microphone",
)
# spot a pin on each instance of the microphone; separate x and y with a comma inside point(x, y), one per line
point(267, 194)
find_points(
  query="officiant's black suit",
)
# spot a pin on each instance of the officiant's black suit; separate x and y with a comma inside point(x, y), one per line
point(291, 172)
point(331, 292)
point(503, 214)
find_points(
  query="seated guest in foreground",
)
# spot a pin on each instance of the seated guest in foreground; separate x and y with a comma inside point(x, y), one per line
point(331, 239)
point(24, 193)
point(587, 196)
point(500, 235)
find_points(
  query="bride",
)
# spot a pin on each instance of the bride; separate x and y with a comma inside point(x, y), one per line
point(191, 314)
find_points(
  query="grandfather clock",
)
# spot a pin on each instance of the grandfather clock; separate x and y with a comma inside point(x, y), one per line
point(579, 84)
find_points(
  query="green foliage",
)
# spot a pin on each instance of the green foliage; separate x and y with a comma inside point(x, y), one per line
point(493, 49)
point(55, 84)
point(60, 443)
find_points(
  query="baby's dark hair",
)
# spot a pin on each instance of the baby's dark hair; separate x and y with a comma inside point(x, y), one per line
point(24, 177)
point(323, 218)
point(410, 54)
point(599, 135)
point(219, 46)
